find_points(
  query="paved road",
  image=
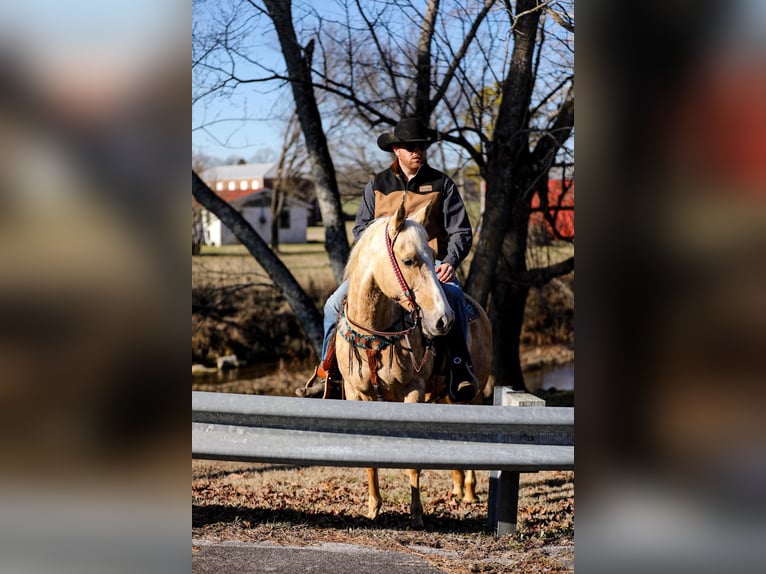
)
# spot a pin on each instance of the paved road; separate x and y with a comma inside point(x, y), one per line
point(330, 558)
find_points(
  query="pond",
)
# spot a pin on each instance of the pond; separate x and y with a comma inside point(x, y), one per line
point(268, 378)
point(560, 378)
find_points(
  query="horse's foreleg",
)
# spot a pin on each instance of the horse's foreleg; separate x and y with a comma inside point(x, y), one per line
point(457, 483)
point(416, 507)
point(375, 501)
point(470, 487)
point(464, 485)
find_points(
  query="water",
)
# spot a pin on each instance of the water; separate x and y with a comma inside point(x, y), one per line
point(246, 373)
point(560, 378)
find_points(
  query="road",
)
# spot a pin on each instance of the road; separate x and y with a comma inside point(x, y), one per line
point(331, 558)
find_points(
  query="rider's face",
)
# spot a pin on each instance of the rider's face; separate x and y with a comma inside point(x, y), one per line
point(411, 156)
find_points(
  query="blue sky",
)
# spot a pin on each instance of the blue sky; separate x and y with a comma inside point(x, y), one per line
point(251, 118)
point(241, 125)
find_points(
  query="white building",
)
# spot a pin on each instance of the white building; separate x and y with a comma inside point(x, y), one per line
point(247, 188)
point(256, 209)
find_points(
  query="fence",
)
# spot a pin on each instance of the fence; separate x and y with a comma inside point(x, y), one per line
point(284, 430)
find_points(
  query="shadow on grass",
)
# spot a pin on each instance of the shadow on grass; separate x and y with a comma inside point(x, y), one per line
point(251, 469)
point(251, 517)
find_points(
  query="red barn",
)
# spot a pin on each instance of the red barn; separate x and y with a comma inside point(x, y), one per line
point(560, 207)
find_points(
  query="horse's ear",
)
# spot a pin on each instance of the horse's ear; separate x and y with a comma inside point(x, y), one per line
point(398, 220)
point(421, 216)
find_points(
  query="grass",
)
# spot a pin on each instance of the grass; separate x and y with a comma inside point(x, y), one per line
point(233, 264)
point(308, 505)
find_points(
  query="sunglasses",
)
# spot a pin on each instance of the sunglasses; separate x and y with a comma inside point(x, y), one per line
point(411, 147)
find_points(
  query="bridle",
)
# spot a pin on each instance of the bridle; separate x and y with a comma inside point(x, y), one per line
point(415, 313)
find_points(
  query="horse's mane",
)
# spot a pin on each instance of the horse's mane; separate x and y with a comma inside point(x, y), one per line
point(362, 245)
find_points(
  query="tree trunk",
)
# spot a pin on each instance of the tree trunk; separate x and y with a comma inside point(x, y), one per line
point(322, 168)
point(277, 205)
point(509, 153)
point(507, 316)
point(509, 298)
point(305, 311)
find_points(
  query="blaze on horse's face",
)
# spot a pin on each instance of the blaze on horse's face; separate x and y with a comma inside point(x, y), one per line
point(416, 262)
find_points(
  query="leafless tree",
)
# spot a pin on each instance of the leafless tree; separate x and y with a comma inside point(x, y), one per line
point(288, 177)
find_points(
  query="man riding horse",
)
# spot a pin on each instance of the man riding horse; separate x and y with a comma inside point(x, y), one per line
point(411, 179)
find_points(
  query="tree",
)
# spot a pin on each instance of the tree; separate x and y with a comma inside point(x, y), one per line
point(287, 174)
point(298, 60)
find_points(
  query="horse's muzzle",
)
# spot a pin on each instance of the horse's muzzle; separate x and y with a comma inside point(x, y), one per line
point(444, 323)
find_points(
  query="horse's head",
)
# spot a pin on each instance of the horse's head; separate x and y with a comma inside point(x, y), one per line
point(411, 269)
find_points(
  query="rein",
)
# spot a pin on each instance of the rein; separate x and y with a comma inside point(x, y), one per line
point(415, 313)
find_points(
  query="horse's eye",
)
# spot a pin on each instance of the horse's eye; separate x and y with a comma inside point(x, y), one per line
point(408, 262)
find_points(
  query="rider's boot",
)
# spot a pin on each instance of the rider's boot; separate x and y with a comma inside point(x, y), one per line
point(462, 385)
point(324, 379)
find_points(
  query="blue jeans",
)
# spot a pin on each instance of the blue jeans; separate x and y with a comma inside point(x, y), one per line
point(452, 291)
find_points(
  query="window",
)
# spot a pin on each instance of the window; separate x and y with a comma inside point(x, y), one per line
point(219, 186)
point(232, 186)
point(255, 184)
point(243, 185)
point(284, 219)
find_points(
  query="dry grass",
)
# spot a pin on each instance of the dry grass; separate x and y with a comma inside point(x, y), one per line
point(305, 505)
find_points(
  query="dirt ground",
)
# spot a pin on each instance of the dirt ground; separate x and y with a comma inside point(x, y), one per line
point(301, 506)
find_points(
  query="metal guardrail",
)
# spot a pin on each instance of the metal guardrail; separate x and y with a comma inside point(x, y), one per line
point(386, 435)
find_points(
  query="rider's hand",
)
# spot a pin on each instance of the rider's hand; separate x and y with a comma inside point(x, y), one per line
point(445, 272)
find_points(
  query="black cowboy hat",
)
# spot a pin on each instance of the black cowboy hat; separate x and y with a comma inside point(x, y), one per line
point(407, 131)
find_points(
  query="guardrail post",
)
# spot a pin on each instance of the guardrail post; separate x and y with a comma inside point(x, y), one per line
point(503, 500)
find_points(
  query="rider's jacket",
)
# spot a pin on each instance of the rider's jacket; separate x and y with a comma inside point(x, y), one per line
point(448, 226)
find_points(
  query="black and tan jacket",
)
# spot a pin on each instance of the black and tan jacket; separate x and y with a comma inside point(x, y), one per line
point(448, 226)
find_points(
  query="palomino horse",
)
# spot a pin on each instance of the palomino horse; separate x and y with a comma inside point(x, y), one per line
point(384, 341)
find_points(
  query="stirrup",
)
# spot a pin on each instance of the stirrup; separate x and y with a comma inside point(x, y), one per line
point(308, 390)
point(466, 389)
